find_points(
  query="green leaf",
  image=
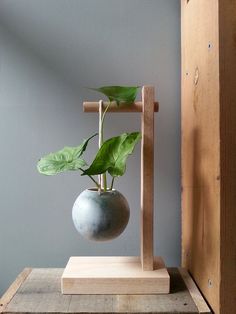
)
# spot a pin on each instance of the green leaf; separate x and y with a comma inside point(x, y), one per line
point(113, 154)
point(78, 151)
point(120, 94)
point(65, 159)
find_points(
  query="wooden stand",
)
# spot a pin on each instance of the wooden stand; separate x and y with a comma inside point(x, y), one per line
point(126, 275)
point(113, 275)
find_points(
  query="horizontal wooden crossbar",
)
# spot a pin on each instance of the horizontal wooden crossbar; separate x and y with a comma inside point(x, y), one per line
point(135, 107)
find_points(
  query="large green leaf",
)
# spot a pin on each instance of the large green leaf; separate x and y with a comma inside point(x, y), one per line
point(68, 158)
point(113, 154)
point(120, 94)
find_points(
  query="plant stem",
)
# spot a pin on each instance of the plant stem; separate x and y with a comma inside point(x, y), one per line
point(104, 113)
point(100, 135)
point(101, 122)
point(97, 184)
point(112, 182)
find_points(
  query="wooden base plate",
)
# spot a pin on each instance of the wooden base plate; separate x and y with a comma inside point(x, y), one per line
point(113, 275)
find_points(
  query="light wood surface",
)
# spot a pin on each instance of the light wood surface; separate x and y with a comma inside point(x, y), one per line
point(209, 148)
point(200, 146)
point(11, 291)
point(41, 293)
point(92, 106)
point(147, 177)
point(113, 275)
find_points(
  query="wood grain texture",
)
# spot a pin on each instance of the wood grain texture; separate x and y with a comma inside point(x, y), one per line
point(11, 291)
point(147, 177)
point(200, 146)
point(90, 106)
point(208, 151)
point(41, 293)
point(113, 275)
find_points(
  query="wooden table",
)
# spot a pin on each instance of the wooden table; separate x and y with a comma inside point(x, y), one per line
point(38, 291)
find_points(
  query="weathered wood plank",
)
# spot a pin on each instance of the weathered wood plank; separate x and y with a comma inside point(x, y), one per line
point(11, 291)
point(41, 293)
point(200, 146)
point(208, 117)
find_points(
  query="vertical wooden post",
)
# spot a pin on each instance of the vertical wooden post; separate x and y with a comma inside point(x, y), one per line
point(147, 177)
point(208, 115)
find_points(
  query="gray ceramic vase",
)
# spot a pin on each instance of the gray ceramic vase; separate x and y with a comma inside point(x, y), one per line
point(100, 216)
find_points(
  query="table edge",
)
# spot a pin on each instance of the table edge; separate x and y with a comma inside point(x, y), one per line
point(194, 291)
point(12, 290)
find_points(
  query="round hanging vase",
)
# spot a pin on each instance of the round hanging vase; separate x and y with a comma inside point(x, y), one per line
point(100, 216)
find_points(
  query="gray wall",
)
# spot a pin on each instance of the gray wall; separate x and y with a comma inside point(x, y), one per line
point(49, 50)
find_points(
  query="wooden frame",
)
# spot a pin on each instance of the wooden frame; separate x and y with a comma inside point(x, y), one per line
point(136, 275)
point(209, 148)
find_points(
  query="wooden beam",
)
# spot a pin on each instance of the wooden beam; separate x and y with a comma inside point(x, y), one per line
point(147, 177)
point(200, 146)
point(208, 115)
point(227, 57)
point(135, 107)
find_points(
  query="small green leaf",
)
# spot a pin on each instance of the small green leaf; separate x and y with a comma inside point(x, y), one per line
point(120, 94)
point(55, 163)
point(65, 159)
point(113, 154)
